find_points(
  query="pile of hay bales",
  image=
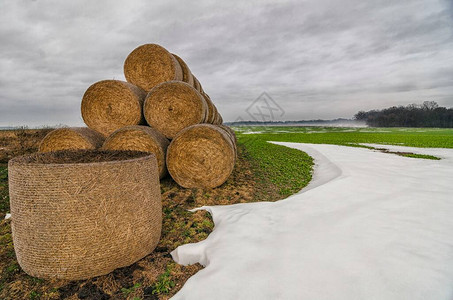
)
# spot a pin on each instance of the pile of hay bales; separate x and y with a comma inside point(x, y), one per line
point(160, 121)
point(162, 105)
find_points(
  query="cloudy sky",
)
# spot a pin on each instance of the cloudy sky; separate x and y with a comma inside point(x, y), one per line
point(315, 58)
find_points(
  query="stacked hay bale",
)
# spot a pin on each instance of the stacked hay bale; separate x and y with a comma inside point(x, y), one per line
point(201, 155)
point(71, 138)
point(159, 101)
point(140, 138)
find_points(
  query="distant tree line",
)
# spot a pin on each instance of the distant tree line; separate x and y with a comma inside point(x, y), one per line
point(429, 114)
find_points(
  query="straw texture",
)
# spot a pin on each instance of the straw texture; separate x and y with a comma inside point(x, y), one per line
point(151, 64)
point(173, 106)
point(201, 156)
point(217, 119)
point(111, 104)
point(186, 73)
point(71, 139)
point(197, 84)
point(79, 220)
point(232, 135)
point(140, 138)
point(212, 111)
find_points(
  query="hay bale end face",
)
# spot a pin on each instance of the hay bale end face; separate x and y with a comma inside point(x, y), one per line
point(149, 65)
point(187, 76)
point(201, 156)
point(140, 138)
point(88, 213)
point(173, 106)
point(111, 104)
point(75, 138)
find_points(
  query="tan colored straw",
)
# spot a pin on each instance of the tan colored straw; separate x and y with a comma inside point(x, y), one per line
point(80, 220)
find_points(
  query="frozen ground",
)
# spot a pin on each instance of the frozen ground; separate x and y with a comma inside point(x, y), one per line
point(370, 225)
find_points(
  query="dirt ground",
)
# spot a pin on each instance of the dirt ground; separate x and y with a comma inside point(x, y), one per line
point(156, 276)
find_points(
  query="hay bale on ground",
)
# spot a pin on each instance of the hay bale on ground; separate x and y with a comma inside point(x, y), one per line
point(151, 64)
point(201, 156)
point(173, 106)
point(140, 138)
point(111, 104)
point(83, 214)
point(186, 73)
point(230, 132)
point(232, 136)
point(74, 138)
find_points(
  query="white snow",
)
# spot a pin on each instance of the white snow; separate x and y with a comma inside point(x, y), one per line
point(7, 216)
point(370, 225)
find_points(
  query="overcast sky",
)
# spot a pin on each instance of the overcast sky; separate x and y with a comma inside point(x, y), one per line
point(316, 58)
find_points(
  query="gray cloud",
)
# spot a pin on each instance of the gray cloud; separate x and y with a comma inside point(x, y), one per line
point(317, 59)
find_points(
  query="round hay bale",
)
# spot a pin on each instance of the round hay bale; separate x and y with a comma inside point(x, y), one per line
point(186, 73)
point(140, 138)
point(230, 133)
point(214, 114)
point(111, 104)
point(232, 137)
point(211, 109)
point(201, 156)
point(217, 119)
point(151, 64)
point(197, 84)
point(173, 106)
point(73, 138)
point(82, 214)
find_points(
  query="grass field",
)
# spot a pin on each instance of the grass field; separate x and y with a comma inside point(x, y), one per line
point(264, 172)
point(415, 137)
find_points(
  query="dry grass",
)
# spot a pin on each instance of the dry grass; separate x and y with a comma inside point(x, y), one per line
point(154, 277)
point(20, 141)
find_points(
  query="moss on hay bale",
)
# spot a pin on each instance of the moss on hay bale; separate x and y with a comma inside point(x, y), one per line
point(140, 138)
point(201, 156)
point(71, 139)
point(173, 106)
point(186, 73)
point(151, 64)
point(111, 104)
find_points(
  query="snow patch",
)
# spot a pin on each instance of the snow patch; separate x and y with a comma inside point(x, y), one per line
point(369, 226)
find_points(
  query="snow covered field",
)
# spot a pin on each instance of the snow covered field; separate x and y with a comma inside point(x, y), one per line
point(370, 225)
